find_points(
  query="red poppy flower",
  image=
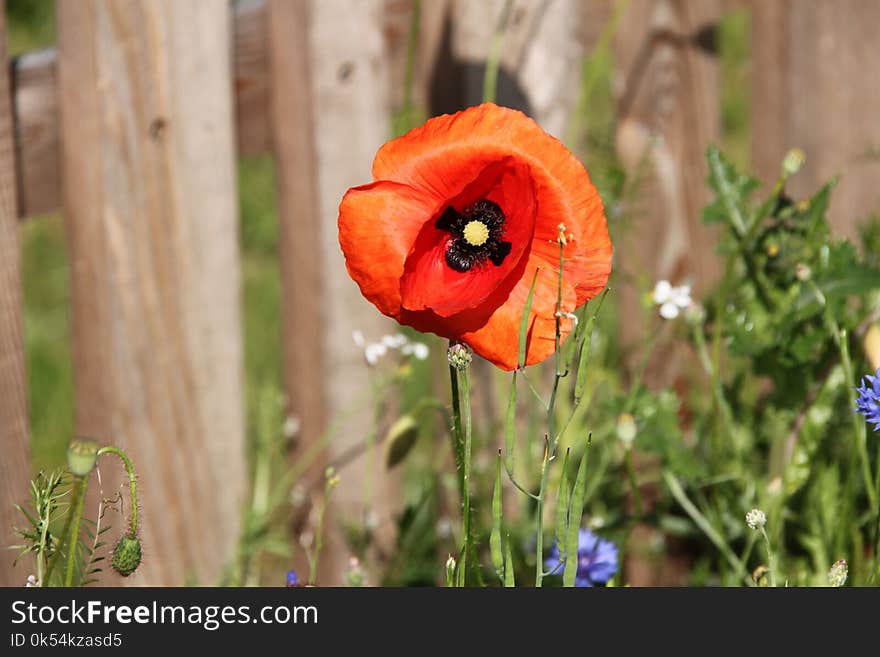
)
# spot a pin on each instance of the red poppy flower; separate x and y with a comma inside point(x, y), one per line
point(461, 214)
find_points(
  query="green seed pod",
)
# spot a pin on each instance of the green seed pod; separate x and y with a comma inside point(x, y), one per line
point(82, 456)
point(127, 555)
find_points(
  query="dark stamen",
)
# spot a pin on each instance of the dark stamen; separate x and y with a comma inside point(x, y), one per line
point(462, 255)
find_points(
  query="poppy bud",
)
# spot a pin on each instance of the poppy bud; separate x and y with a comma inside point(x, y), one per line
point(127, 555)
point(81, 457)
point(459, 356)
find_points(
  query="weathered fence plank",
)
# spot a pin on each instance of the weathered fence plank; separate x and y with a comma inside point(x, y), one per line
point(815, 72)
point(35, 84)
point(14, 464)
point(300, 225)
point(147, 164)
point(351, 113)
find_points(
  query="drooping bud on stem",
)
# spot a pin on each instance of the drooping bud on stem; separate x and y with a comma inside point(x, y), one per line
point(127, 555)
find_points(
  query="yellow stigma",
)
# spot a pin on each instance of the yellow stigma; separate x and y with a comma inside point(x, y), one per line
point(476, 233)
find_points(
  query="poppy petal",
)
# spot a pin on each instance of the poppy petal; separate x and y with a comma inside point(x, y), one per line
point(378, 224)
point(429, 283)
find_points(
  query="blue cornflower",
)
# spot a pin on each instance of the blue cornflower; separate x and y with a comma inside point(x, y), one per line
point(292, 579)
point(597, 559)
point(868, 403)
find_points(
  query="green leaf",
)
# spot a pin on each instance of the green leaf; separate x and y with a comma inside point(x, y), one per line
point(581, 382)
point(510, 428)
point(578, 495)
point(524, 322)
point(813, 428)
point(733, 189)
point(495, 536)
point(563, 504)
point(508, 565)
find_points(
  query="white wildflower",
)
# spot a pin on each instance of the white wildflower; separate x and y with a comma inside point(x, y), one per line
point(374, 351)
point(31, 581)
point(671, 299)
point(756, 519)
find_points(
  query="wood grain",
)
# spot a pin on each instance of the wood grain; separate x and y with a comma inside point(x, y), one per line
point(14, 464)
point(351, 114)
point(300, 228)
point(149, 189)
point(668, 113)
point(35, 84)
point(815, 83)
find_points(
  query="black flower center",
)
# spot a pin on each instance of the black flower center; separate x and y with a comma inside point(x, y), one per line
point(477, 234)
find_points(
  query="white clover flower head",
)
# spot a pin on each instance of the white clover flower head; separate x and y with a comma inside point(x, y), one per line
point(837, 574)
point(756, 519)
point(671, 299)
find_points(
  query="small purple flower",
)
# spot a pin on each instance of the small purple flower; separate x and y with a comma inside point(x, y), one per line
point(868, 403)
point(597, 559)
point(292, 579)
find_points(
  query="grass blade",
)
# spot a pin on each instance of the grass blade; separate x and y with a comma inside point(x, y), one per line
point(563, 505)
point(510, 428)
point(495, 536)
point(581, 383)
point(524, 322)
point(578, 494)
point(508, 565)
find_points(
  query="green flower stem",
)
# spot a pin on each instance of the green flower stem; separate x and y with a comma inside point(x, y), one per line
point(552, 438)
point(633, 483)
point(842, 342)
point(493, 61)
point(539, 514)
point(315, 555)
point(461, 414)
point(409, 75)
point(80, 497)
point(771, 558)
point(709, 364)
point(132, 484)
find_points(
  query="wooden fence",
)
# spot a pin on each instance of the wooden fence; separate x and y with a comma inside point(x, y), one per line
point(132, 126)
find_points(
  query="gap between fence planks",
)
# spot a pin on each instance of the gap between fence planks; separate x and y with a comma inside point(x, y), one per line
point(150, 209)
point(35, 84)
point(14, 463)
